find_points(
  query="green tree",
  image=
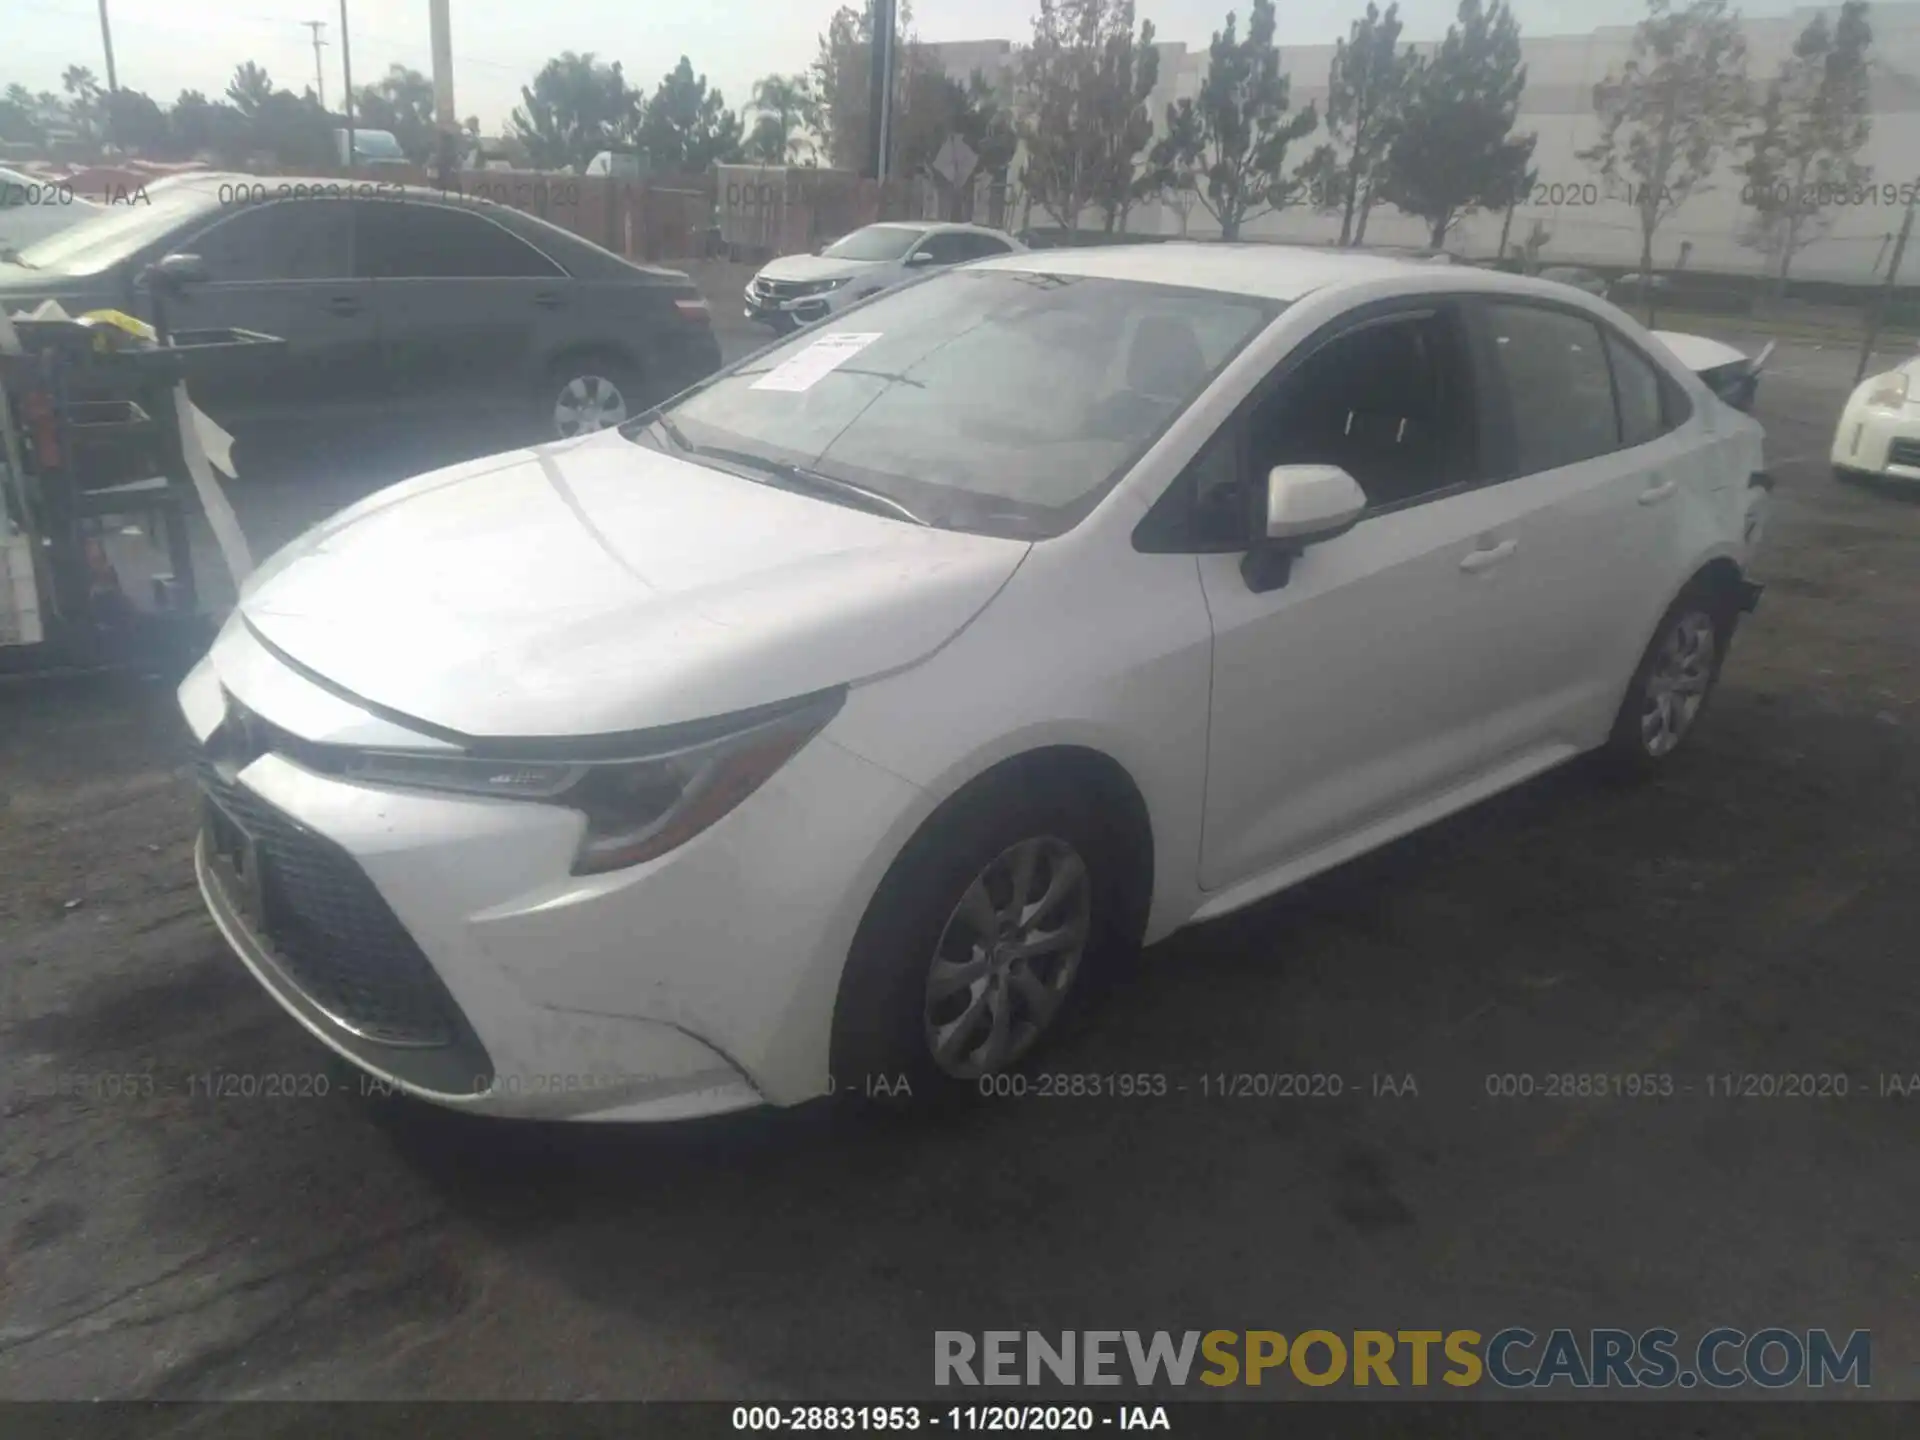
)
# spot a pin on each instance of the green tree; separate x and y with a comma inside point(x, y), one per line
point(843, 81)
point(138, 124)
point(1667, 115)
point(1802, 156)
point(1231, 144)
point(250, 88)
point(1128, 71)
point(687, 126)
point(401, 103)
point(1454, 151)
point(576, 107)
point(19, 115)
point(786, 115)
point(1367, 88)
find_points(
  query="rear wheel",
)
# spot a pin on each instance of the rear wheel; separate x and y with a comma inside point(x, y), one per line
point(591, 392)
point(1675, 677)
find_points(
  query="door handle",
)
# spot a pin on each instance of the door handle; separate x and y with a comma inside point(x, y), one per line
point(547, 300)
point(1486, 559)
point(1659, 491)
point(344, 304)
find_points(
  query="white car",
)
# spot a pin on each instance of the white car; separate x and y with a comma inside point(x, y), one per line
point(836, 725)
point(1879, 430)
point(33, 207)
point(798, 290)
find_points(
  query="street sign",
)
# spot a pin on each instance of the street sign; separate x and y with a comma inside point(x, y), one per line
point(955, 162)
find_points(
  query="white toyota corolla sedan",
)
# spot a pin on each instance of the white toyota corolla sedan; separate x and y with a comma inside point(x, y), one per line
point(835, 724)
point(1879, 430)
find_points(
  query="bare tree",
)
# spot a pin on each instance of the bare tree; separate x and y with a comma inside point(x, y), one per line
point(1801, 157)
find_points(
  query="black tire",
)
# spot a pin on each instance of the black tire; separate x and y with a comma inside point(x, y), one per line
point(590, 376)
point(1639, 745)
point(883, 1048)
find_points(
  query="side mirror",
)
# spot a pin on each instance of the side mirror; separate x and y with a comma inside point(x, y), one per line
point(171, 274)
point(919, 258)
point(1305, 504)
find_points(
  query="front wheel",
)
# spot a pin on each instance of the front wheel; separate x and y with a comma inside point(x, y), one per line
point(1675, 677)
point(979, 943)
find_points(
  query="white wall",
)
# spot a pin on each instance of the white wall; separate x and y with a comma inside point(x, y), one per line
point(1588, 225)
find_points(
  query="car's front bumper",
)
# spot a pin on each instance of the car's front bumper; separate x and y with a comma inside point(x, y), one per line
point(803, 310)
point(1875, 441)
point(698, 983)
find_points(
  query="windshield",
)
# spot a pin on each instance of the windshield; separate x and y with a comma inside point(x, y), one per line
point(377, 145)
point(876, 242)
point(110, 235)
point(994, 400)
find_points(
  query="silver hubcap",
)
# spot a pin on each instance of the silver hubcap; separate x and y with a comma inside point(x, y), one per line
point(1677, 685)
point(1008, 957)
point(588, 403)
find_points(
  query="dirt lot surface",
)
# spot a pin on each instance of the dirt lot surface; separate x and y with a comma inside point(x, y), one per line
point(1754, 913)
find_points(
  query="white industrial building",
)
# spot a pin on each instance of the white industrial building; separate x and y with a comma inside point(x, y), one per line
point(1588, 226)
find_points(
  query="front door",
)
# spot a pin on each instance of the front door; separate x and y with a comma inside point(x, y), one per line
point(1379, 676)
point(283, 268)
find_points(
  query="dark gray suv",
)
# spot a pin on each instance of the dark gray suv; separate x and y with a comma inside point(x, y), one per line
point(398, 304)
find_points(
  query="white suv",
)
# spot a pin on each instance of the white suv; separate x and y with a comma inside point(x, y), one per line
point(798, 290)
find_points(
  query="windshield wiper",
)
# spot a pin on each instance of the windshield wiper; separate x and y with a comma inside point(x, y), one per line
point(801, 478)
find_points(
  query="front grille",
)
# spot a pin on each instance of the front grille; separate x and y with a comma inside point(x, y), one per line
point(789, 289)
point(1904, 452)
point(325, 924)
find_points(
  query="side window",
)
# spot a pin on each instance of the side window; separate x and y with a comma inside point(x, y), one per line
point(1642, 414)
point(279, 240)
point(949, 248)
point(979, 247)
point(402, 240)
point(1387, 401)
point(1558, 384)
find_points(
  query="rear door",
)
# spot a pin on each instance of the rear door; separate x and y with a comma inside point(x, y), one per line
point(466, 309)
point(1591, 436)
point(284, 268)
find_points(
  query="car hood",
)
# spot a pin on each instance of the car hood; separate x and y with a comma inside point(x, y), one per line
point(599, 586)
point(818, 267)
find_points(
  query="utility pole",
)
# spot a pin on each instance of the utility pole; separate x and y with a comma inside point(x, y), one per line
point(346, 74)
point(880, 108)
point(1879, 310)
point(445, 122)
point(113, 80)
point(319, 75)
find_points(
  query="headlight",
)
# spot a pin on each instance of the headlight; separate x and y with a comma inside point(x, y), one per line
point(1889, 391)
point(637, 808)
point(826, 285)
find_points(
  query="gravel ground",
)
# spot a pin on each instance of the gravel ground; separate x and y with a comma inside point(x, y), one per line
point(1755, 912)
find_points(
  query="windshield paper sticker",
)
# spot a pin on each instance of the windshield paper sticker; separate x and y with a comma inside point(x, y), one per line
point(823, 357)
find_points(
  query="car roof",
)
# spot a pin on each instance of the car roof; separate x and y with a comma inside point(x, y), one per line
point(1274, 272)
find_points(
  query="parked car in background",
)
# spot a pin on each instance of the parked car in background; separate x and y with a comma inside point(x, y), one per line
point(1628, 288)
point(1879, 431)
point(371, 148)
point(33, 207)
point(398, 305)
point(838, 722)
point(799, 290)
point(1579, 277)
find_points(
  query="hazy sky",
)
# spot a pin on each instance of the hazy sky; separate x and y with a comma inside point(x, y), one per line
point(165, 46)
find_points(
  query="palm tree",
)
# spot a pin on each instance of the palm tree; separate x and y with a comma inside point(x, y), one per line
point(789, 113)
point(79, 82)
